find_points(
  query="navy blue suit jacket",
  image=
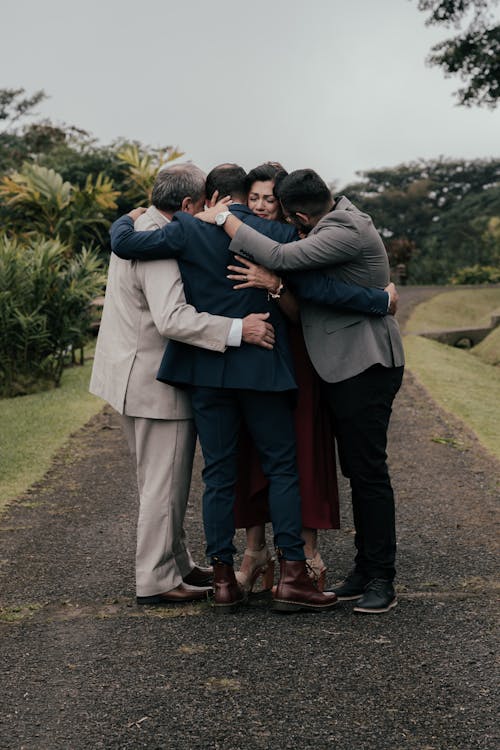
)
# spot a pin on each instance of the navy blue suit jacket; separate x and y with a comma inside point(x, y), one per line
point(202, 251)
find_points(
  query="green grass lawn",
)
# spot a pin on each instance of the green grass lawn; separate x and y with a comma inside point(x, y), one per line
point(462, 308)
point(464, 382)
point(461, 384)
point(35, 427)
point(489, 348)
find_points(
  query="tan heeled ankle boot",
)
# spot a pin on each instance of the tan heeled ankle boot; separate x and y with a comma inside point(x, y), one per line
point(316, 570)
point(261, 566)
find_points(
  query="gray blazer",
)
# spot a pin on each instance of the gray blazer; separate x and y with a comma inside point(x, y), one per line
point(346, 243)
point(144, 305)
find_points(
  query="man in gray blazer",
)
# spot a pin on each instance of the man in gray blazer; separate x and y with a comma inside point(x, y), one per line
point(360, 359)
point(144, 306)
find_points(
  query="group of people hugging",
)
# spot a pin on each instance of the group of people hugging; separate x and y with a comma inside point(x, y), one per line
point(255, 312)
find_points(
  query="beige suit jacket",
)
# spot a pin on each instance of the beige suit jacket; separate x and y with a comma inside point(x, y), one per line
point(347, 245)
point(144, 307)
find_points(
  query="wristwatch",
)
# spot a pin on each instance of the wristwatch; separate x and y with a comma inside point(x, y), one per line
point(220, 219)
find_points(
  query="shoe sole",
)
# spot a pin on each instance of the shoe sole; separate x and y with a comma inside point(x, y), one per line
point(208, 583)
point(381, 611)
point(227, 609)
point(153, 601)
point(280, 605)
point(348, 598)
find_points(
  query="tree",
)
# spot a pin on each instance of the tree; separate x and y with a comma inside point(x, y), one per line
point(142, 166)
point(38, 160)
point(437, 215)
point(13, 106)
point(474, 54)
point(59, 192)
point(463, 236)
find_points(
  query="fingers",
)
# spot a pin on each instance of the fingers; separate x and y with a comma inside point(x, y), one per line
point(136, 212)
point(213, 199)
point(244, 261)
point(257, 331)
point(267, 340)
point(239, 269)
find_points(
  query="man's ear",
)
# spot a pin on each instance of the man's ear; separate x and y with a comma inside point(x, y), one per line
point(305, 218)
point(187, 205)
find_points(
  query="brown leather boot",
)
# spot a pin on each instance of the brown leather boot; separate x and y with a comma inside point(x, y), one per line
point(296, 590)
point(228, 595)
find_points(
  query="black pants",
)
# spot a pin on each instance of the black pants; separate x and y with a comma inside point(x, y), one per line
point(361, 408)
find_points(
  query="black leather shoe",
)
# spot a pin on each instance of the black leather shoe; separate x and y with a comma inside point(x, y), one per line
point(379, 596)
point(199, 576)
point(180, 595)
point(353, 587)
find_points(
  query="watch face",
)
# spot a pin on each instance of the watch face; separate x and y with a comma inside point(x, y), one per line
point(221, 218)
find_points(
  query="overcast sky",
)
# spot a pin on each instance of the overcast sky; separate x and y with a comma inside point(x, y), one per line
point(337, 85)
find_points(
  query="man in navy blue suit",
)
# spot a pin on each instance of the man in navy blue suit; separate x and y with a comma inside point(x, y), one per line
point(249, 384)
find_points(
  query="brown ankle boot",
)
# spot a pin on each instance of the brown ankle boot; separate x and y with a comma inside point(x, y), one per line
point(227, 593)
point(296, 590)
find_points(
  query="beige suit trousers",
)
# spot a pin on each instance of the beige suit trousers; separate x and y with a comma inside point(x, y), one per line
point(163, 450)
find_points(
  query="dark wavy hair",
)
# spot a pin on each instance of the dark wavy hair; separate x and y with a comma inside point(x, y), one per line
point(270, 170)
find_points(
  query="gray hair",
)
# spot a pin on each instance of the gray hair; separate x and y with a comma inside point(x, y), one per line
point(173, 184)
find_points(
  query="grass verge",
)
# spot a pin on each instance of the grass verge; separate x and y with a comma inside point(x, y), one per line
point(460, 383)
point(35, 427)
point(489, 348)
point(461, 308)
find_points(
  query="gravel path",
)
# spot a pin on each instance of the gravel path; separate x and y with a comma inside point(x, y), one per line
point(83, 667)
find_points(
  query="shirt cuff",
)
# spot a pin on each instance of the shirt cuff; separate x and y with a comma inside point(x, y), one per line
point(235, 333)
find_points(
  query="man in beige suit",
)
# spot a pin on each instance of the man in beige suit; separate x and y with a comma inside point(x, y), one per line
point(144, 306)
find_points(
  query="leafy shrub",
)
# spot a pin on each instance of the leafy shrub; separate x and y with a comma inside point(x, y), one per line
point(41, 202)
point(477, 275)
point(45, 296)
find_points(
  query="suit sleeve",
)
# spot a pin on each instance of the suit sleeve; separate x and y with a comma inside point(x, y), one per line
point(173, 316)
point(167, 242)
point(315, 286)
point(334, 244)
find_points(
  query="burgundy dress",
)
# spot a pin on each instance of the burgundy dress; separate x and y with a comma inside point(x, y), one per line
point(315, 455)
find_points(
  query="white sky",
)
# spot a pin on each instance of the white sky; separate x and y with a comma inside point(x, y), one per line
point(336, 85)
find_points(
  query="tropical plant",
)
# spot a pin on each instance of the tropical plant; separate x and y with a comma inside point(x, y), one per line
point(41, 202)
point(45, 296)
point(142, 167)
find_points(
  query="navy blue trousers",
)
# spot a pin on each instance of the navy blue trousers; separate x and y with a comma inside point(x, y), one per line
point(218, 413)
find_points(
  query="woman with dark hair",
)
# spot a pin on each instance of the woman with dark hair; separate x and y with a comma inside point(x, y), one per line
point(315, 442)
point(261, 183)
